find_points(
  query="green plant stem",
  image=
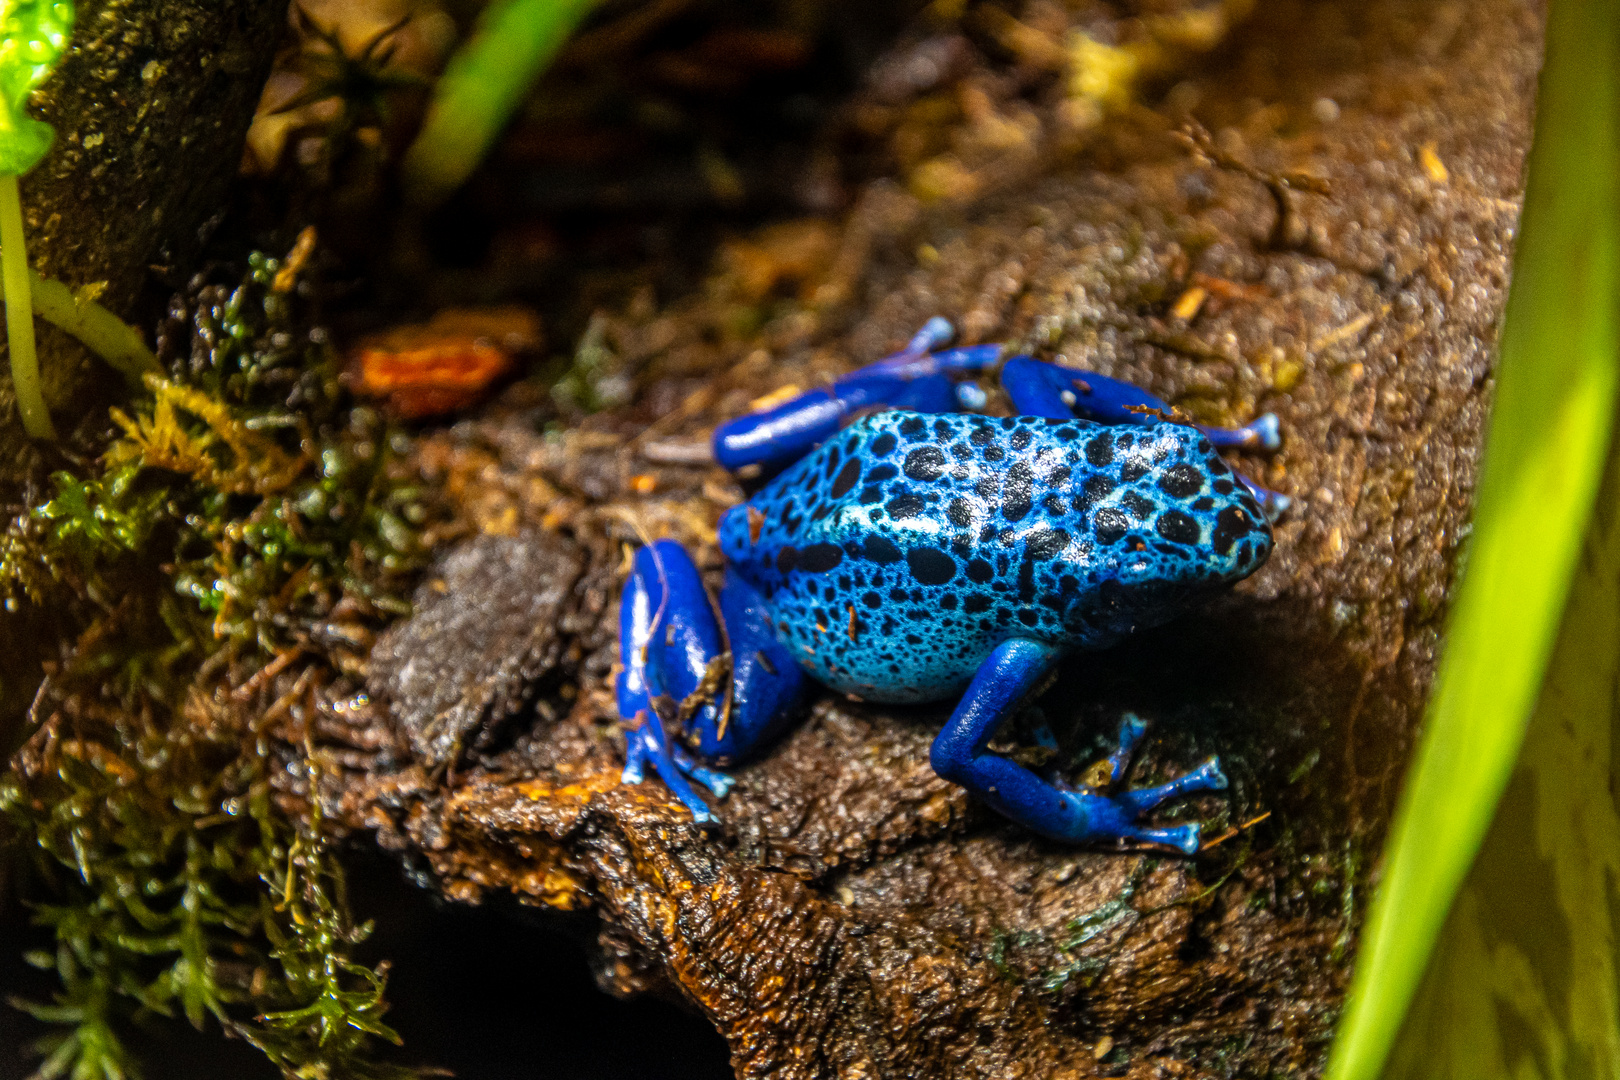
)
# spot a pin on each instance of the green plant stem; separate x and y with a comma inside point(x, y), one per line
point(102, 332)
point(483, 85)
point(20, 316)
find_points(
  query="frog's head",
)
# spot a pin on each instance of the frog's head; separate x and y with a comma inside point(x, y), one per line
point(1180, 521)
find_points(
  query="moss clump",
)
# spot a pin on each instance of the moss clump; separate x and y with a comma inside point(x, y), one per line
point(272, 499)
point(168, 792)
point(177, 885)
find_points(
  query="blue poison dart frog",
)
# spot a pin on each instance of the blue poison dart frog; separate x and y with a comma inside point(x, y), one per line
point(907, 550)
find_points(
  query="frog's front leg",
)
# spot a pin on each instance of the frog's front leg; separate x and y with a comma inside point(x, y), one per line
point(673, 653)
point(960, 755)
point(1039, 388)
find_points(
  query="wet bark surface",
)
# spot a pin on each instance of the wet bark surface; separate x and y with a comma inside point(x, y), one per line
point(856, 916)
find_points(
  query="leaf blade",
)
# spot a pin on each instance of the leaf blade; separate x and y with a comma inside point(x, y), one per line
point(1547, 443)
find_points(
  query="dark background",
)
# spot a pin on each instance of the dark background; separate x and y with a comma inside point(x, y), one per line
point(496, 991)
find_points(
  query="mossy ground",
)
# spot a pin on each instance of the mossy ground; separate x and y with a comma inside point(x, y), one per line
point(242, 503)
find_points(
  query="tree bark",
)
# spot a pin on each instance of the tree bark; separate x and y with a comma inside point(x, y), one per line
point(150, 104)
point(858, 917)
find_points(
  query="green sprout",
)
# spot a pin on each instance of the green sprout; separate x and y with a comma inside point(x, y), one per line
point(33, 34)
point(105, 334)
point(482, 88)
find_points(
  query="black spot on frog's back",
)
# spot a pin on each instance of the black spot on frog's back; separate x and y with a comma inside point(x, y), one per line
point(925, 464)
point(930, 566)
point(905, 505)
point(1177, 527)
point(1231, 525)
point(1111, 524)
point(1182, 481)
point(847, 478)
point(1017, 495)
point(819, 558)
point(1045, 542)
point(880, 549)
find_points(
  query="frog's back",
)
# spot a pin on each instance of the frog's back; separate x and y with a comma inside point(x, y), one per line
point(903, 550)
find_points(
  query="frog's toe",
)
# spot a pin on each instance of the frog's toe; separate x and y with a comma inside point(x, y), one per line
point(1184, 838)
point(1267, 430)
point(1264, 432)
point(717, 782)
point(1272, 503)
point(1103, 818)
point(971, 396)
point(644, 746)
point(1207, 777)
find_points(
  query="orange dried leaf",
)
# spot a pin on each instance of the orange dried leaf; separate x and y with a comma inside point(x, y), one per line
point(447, 364)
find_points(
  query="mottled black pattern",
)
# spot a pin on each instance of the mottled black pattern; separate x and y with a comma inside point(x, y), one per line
point(899, 553)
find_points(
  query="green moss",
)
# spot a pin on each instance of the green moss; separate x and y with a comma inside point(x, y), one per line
point(243, 501)
point(177, 888)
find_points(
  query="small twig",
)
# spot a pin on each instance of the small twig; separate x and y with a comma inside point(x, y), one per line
point(1286, 231)
point(1229, 833)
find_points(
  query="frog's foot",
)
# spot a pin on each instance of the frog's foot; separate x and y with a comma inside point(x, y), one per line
point(1115, 816)
point(1038, 388)
point(717, 782)
point(648, 744)
point(1083, 815)
point(916, 378)
point(668, 640)
point(672, 650)
point(1272, 503)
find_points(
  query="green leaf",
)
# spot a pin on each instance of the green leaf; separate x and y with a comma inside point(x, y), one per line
point(1525, 980)
point(483, 85)
point(1545, 453)
point(33, 35)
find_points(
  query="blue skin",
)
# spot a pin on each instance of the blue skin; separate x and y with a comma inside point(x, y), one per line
point(921, 553)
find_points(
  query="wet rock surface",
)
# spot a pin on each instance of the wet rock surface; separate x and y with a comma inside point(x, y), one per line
point(856, 916)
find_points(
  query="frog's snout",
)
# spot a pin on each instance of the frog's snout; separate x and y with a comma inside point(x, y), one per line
point(1238, 535)
point(1204, 502)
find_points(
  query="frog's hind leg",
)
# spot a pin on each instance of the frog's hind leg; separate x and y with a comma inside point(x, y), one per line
point(960, 754)
point(768, 687)
point(915, 378)
point(668, 640)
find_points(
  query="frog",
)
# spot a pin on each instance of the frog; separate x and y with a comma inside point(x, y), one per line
point(903, 547)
